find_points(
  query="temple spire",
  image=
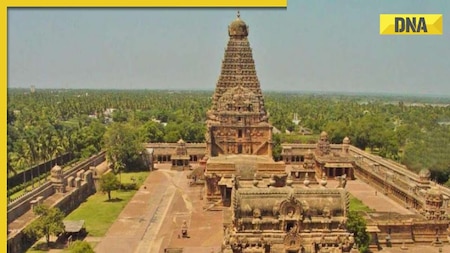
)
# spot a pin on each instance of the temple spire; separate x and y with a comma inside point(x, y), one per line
point(237, 122)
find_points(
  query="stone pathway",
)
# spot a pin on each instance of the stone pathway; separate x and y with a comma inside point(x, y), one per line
point(151, 222)
point(138, 221)
point(150, 241)
point(370, 197)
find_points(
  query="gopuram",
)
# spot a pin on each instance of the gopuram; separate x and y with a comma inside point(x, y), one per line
point(237, 122)
point(264, 210)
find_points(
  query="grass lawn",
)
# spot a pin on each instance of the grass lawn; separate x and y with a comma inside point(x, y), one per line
point(99, 213)
point(139, 177)
point(357, 205)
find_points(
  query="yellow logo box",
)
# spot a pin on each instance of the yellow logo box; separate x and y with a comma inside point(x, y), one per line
point(411, 24)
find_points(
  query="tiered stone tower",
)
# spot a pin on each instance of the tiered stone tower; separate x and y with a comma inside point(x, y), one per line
point(237, 122)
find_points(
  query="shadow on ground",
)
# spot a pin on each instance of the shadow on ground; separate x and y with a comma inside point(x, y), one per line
point(113, 200)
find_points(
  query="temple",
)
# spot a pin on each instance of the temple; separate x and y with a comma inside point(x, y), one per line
point(286, 206)
point(237, 122)
point(240, 171)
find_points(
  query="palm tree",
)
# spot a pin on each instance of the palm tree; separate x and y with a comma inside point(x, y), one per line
point(60, 145)
point(11, 159)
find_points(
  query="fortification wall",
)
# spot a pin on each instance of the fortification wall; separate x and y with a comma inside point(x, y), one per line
point(19, 242)
point(21, 205)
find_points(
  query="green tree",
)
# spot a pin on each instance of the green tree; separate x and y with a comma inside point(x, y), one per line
point(120, 116)
point(152, 132)
point(109, 183)
point(173, 132)
point(50, 222)
point(81, 247)
point(276, 151)
point(357, 225)
point(123, 147)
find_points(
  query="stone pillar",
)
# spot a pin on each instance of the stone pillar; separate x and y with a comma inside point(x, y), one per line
point(57, 179)
point(70, 181)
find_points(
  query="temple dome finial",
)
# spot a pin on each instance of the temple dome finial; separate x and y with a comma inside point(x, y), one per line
point(238, 28)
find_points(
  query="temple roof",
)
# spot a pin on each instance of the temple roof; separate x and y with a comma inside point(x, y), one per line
point(73, 226)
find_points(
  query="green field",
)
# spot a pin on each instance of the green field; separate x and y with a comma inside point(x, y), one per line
point(99, 213)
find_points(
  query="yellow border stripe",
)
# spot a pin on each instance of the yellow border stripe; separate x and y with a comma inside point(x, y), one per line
point(3, 134)
point(143, 3)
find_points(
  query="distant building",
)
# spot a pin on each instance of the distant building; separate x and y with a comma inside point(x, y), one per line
point(296, 120)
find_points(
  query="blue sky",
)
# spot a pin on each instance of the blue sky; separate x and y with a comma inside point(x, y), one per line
point(310, 46)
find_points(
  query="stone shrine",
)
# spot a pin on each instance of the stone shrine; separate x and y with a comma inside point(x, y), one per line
point(57, 179)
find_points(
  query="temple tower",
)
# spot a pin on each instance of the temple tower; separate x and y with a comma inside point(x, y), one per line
point(237, 122)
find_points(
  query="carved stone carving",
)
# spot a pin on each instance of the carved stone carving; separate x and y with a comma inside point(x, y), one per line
point(291, 208)
point(211, 184)
point(292, 240)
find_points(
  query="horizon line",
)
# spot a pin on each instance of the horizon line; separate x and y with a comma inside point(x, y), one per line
point(311, 92)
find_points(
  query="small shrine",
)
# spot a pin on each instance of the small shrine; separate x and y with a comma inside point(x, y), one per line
point(57, 179)
point(180, 158)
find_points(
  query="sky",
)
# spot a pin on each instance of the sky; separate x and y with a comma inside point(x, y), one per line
point(311, 46)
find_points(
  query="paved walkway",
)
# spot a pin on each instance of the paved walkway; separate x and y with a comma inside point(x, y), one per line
point(371, 197)
point(152, 219)
point(27, 217)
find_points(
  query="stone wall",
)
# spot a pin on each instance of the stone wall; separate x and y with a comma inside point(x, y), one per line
point(76, 194)
point(412, 232)
point(18, 242)
point(21, 205)
point(69, 201)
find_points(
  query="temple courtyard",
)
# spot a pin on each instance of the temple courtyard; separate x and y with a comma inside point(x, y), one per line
point(153, 219)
